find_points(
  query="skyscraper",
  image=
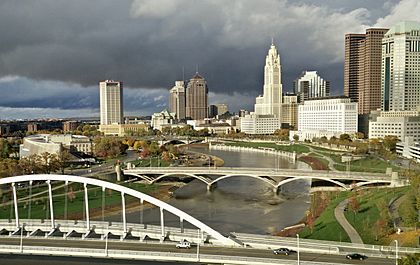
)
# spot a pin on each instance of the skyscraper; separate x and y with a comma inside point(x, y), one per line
point(310, 85)
point(401, 68)
point(197, 98)
point(270, 102)
point(177, 100)
point(111, 102)
point(362, 69)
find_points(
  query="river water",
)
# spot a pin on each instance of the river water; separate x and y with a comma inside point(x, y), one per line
point(239, 204)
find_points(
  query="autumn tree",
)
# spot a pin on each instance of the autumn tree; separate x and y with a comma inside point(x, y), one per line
point(109, 147)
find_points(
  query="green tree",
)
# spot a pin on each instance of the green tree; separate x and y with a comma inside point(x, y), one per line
point(296, 137)
point(390, 142)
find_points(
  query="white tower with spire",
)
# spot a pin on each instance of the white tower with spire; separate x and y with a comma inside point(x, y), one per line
point(271, 100)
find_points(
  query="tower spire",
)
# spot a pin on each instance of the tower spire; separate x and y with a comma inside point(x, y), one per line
point(196, 68)
point(272, 41)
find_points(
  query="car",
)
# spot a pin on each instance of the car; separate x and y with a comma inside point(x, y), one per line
point(282, 251)
point(183, 244)
point(356, 256)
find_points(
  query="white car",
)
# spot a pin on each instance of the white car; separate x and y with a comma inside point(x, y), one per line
point(183, 244)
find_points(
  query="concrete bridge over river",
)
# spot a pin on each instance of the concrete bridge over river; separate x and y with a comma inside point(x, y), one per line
point(272, 176)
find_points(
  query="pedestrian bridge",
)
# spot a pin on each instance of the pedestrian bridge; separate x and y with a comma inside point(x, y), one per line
point(273, 177)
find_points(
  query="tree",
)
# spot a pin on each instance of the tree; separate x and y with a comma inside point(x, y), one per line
point(283, 134)
point(354, 205)
point(359, 135)
point(109, 147)
point(310, 220)
point(296, 137)
point(390, 142)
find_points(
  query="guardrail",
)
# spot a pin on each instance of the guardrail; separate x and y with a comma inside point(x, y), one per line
point(373, 250)
point(147, 255)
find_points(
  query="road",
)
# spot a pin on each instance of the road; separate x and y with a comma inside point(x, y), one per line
point(28, 259)
point(135, 245)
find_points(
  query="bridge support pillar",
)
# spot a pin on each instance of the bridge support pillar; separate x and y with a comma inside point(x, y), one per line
point(275, 190)
point(51, 204)
point(210, 187)
point(15, 205)
point(162, 226)
point(87, 208)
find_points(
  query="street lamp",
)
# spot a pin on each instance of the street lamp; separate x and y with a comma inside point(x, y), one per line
point(198, 245)
point(106, 239)
point(298, 252)
point(21, 237)
point(396, 252)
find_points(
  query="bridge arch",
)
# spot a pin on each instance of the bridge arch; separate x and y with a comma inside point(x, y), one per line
point(203, 179)
point(360, 184)
point(123, 190)
point(266, 180)
point(144, 177)
point(294, 178)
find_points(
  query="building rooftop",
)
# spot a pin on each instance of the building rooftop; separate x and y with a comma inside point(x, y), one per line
point(403, 27)
point(197, 76)
point(324, 98)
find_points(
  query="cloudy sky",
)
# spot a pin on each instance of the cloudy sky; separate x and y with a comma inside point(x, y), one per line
point(54, 52)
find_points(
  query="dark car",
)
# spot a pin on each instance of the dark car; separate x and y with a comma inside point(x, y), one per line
point(282, 251)
point(356, 256)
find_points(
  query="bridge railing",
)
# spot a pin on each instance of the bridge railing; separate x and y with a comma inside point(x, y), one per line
point(147, 255)
point(343, 246)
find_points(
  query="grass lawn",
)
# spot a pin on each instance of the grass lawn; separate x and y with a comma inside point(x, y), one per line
point(154, 161)
point(364, 220)
point(368, 164)
point(40, 203)
point(298, 148)
point(326, 226)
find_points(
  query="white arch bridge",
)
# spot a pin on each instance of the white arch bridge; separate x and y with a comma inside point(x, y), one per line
point(88, 226)
point(273, 177)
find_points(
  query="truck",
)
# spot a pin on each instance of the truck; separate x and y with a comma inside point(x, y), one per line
point(183, 244)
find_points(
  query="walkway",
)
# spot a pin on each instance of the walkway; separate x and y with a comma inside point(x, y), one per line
point(331, 162)
point(341, 219)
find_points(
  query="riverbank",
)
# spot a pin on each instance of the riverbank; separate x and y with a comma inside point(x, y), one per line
point(367, 220)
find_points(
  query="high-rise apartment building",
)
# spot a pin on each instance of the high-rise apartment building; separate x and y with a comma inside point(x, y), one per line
point(362, 72)
point(362, 69)
point(351, 65)
point(177, 100)
point(197, 98)
point(310, 85)
point(270, 102)
point(111, 102)
point(401, 67)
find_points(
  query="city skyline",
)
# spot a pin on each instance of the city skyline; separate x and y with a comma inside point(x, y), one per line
point(47, 75)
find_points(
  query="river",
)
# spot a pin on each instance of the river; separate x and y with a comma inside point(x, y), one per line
point(239, 204)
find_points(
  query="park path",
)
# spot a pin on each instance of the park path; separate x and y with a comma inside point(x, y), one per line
point(341, 219)
point(331, 162)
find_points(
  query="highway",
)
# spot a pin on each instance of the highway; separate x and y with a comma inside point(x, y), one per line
point(137, 246)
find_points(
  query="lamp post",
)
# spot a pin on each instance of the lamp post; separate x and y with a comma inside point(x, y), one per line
point(396, 252)
point(298, 252)
point(21, 237)
point(106, 239)
point(198, 245)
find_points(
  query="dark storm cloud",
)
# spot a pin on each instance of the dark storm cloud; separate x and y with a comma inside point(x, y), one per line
point(146, 43)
